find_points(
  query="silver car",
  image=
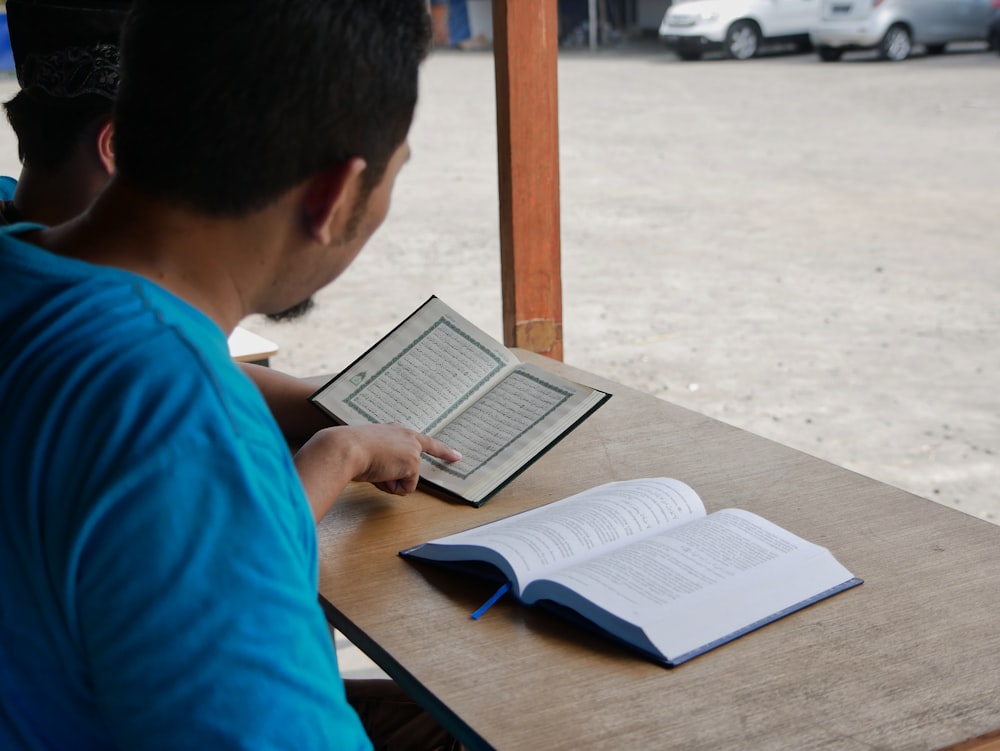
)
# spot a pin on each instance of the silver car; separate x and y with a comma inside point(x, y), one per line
point(893, 27)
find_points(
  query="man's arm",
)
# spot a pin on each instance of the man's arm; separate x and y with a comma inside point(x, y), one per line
point(386, 455)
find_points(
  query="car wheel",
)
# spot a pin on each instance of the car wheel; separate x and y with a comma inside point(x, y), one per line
point(829, 54)
point(742, 40)
point(689, 55)
point(896, 45)
point(935, 49)
point(994, 40)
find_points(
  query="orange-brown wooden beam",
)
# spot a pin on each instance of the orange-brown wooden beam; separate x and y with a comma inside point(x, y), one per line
point(526, 47)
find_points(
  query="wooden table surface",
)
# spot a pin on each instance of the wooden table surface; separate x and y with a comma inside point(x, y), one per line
point(909, 660)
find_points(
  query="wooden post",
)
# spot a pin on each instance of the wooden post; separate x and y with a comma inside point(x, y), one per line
point(526, 47)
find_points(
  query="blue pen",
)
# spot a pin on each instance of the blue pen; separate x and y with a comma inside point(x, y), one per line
point(486, 605)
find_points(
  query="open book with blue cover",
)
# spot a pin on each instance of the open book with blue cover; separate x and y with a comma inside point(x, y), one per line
point(642, 561)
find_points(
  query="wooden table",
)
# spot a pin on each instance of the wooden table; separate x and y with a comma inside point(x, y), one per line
point(909, 660)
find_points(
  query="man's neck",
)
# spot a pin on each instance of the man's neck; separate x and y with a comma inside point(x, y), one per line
point(52, 197)
point(218, 265)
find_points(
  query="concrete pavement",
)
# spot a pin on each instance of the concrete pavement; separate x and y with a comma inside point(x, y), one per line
point(805, 250)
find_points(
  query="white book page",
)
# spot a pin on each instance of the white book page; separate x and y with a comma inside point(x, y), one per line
point(698, 582)
point(497, 434)
point(432, 366)
point(537, 543)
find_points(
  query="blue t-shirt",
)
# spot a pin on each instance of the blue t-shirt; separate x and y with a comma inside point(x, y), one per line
point(158, 563)
point(7, 187)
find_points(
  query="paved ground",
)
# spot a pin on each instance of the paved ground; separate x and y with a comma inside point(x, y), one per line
point(805, 250)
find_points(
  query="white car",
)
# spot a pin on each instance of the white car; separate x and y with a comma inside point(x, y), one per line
point(893, 27)
point(737, 27)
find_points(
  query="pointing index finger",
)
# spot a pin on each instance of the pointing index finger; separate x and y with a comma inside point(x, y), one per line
point(438, 450)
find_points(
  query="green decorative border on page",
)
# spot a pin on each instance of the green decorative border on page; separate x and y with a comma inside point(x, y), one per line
point(499, 365)
point(451, 468)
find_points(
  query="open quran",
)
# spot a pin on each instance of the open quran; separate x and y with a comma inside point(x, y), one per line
point(439, 374)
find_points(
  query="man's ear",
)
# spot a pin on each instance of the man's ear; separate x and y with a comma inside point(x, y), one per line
point(329, 200)
point(106, 145)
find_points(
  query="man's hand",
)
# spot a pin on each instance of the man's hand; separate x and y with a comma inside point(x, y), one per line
point(388, 456)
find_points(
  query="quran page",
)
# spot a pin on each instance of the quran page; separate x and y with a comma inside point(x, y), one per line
point(421, 373)
point(508, 427)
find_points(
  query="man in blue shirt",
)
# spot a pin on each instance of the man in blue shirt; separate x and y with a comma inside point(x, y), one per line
point(66, 60)
point(156, 543)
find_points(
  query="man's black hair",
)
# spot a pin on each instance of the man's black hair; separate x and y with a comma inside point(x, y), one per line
point(225, 105)
point(49, 128)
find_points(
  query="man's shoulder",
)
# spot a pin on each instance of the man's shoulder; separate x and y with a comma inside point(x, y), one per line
point(87, 306)
point(127, 345)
